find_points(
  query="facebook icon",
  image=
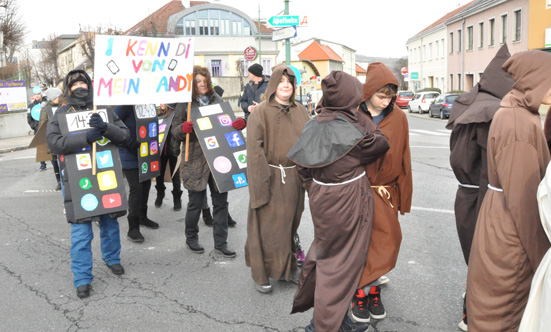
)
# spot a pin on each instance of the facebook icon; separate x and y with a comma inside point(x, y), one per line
point(234, 139)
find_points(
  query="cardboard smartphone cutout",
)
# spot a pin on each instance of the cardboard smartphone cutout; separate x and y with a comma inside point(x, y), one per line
point(224, 147)
point(100, 194)
point(164, 129)
point(147, 134)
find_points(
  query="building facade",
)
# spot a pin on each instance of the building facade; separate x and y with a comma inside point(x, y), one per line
point(539, 25)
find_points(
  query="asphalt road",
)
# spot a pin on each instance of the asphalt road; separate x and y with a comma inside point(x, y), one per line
point(168, 288)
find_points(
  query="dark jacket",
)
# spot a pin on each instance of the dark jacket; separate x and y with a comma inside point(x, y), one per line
point(61, 144)
point(253, 92)
point(30, 120)
point(129, 156)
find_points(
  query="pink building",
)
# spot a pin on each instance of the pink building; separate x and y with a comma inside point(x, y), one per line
point(477, 32)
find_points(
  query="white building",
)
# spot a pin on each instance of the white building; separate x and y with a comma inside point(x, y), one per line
point(347, 54)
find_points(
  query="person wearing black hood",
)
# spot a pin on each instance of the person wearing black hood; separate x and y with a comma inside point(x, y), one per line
point(78, 91)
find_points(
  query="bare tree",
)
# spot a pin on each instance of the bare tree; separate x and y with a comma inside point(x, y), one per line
point(12, 26)
point(87, 40)
point(398, 65)
point(47, 68)
point(239, 66)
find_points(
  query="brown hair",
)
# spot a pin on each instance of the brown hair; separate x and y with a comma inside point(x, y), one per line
point(389, 90)
point(198, 70)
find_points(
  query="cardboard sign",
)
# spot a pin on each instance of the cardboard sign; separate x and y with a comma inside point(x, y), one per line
point(147, 134)
point(132, 70)
point(164, 129)
point(93, 195)
point(224, 147)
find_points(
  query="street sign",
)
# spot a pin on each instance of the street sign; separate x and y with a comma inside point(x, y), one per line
point(287, 21)
point(414, 75)
point(250, 53)
point(285, 33)
point(404, 70)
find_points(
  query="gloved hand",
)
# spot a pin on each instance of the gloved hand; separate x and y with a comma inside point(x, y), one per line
point(97, 122)
point(239, 123)
point(93, 135)
point(134, 145)
point(187, 127)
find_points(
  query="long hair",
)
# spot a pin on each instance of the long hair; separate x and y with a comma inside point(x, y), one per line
point(198, 70)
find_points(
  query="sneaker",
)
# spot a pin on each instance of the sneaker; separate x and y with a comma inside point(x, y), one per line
point(359, 308)
point(383, 280)
point(134, 235)
point(149, 223)
point(42, 168)
point(300, 257)
point(58, 187)
point(231, 222)
point(376, 308)
point(463, 324)
point(207, 217)
point(264, 288)
point(348, 325)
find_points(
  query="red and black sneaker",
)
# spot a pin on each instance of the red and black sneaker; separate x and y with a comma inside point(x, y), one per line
point(376, 308)
point(359, 307)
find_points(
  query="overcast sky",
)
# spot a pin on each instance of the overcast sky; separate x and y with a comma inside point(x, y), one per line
point(371, 27)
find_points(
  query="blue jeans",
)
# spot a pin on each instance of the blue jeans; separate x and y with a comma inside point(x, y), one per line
point(81, 248)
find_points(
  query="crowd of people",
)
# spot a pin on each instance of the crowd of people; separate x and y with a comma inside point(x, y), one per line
point(353, 161)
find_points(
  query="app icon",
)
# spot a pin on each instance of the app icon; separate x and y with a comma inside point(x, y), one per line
point(154, 166)
point(225, 120)
point(144, 168)
point(240, 180)
point(161, 138)
point(143, 149)
point(104, 159)
point(211, 142)
point(107, 180)
point(85, 183)
point(89, 202)
point(103, 141)
point(204, 123)
point(222, 164)
point(111, 201)
point(62, 158)
point(143, 132)
point(162, 128)
point(153, 147)
point(153, 129)
point(83, 161)
point(234, 139)
point(241, 158)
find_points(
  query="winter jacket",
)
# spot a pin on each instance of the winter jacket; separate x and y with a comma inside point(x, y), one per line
point(253, 92)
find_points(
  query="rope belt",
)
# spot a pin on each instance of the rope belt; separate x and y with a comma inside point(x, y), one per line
point(382, 191)
point(340, 183)
point(282, 169)
point(469, 186)
point(494, 188)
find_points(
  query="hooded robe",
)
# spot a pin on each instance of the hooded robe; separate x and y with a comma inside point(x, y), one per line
point(276, 195)
point(390, 178)
point(470, 120)
point(509, 241)
point(333, 152)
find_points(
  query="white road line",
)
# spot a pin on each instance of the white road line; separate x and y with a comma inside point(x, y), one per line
point(428, 132)
point(429, 147)
point(31, 191)
point(432, 210)
point(29, 157)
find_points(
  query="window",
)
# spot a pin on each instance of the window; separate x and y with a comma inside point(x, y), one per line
point(430, 51)
point(504, 29)
point(267, 65)
point(213, 22)
point(443, 47)
point(481, 34)
point(547, 4)
point(418, 54)
point(216, 68)
point(244, 66)
point(437, 49)
point(518, 24)
point(470, 38)
point(459, 86)
point(459, 41)
point(451, 82)
point(424, 53)
point(451, 42)
point(492, 32)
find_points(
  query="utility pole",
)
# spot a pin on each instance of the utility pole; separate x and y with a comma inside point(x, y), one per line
point(287, 41)
point(259, 40)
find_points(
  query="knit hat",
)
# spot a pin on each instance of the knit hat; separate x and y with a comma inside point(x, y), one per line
point(256, 70)
point(72, 80)
point(37, 90)
point(53, 93)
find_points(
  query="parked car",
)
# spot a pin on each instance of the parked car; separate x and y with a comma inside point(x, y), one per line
point(403, 98)
point(421, 101)
point(442, 105)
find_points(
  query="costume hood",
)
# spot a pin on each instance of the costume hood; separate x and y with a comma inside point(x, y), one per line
point(378, 75)
point(275, 79)
point(481, 103)
point(72, 100)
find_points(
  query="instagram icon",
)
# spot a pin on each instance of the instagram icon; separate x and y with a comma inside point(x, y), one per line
point(225, 120)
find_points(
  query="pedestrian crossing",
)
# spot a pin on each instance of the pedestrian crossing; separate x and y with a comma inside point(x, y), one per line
point(422, 132)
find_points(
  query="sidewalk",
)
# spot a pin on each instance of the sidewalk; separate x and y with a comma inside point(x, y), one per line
point(15, 143)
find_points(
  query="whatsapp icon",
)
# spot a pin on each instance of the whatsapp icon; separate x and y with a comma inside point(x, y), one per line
point(144, 168)
point(85, 183)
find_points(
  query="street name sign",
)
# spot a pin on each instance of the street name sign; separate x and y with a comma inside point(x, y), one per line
point(288, 20)
point(285, 33)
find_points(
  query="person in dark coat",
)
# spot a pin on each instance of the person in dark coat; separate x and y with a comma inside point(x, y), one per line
point(138, 194)
point(470, 120)
point(33, 123)
point(332, 154)
point(78, 91)
point(54, 98)
point(253, 91)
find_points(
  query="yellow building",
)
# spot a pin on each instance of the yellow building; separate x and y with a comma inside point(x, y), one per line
point(539, 25)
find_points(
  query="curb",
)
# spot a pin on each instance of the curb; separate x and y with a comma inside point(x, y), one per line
point(12, 149)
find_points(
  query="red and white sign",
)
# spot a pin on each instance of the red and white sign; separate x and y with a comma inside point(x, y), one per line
point(404, 70)
point(250, 53)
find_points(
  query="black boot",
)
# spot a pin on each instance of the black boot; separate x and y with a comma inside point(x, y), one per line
point(177, 195)
point(231, 222)
point(207, 217)
point(160, 196)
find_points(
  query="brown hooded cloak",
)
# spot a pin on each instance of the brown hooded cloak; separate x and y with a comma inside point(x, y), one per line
point(470, 120)
point(341, 200)
point(390, 178)
point(509, 241)
point(276, 195)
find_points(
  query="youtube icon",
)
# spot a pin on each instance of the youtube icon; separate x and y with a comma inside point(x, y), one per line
point(111, 201)
point(154, 166)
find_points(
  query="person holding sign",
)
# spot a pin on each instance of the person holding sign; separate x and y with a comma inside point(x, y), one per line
point(196, 174)
point(276, 195)
point(78, 91)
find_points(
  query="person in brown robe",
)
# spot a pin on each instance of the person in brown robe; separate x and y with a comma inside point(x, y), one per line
point(276, 195)
point(509, 241)
point(391, 181)
point(470, 120)
point(332, 153)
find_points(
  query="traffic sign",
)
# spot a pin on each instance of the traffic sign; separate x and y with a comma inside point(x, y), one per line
point(404, 70)
point(285, 33)
point(250, 53)
point(415, 75)
point(288, 20)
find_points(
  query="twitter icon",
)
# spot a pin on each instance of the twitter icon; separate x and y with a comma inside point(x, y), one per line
point(104, 159)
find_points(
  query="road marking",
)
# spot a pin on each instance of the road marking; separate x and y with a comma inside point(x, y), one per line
point(432, 210)
point(429, 147)
point(30, 157)
point(428, 132)
point(41, 191)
